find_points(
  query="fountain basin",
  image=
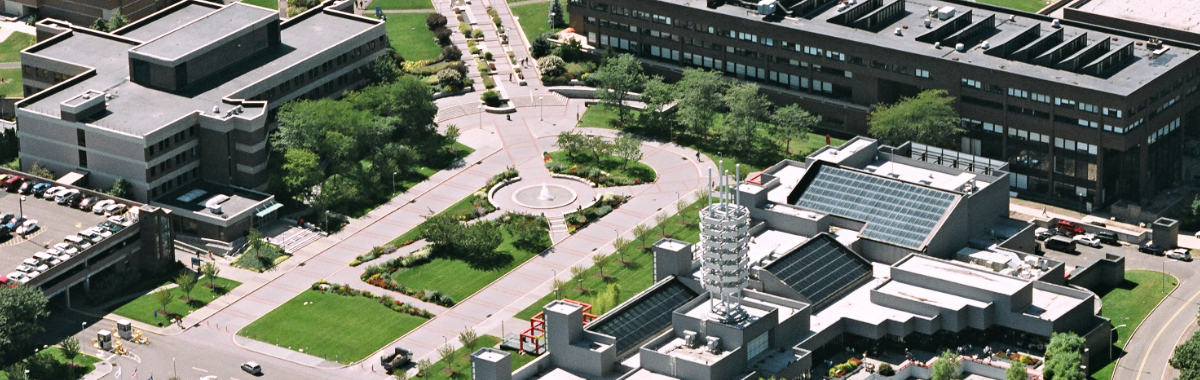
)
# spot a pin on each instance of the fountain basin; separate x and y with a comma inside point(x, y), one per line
point(544, 196)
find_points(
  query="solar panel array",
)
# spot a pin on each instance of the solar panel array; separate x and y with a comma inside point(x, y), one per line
point(819, 268)
point(895, 212)
point(646, 316)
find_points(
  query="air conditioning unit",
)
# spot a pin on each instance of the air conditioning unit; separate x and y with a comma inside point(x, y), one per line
point(945, 13)
point(689, 338)
point(767, 7)
point(714, 344)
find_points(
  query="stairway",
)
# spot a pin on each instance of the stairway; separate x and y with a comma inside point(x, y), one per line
point(558, 228)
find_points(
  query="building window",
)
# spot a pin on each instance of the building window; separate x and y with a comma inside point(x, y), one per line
point(1018, 93)
point(919, 72)
point(81, 138)
point(83, 159)
point(1039, 97)
point(757, 346)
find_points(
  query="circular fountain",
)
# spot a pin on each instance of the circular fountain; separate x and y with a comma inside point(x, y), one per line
point(544, 196)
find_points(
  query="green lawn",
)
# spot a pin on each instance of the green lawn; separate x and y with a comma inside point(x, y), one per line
point(12, 86)
point(461, 361)
point(411, 38)
point(462, 206)
point(83, 361)
point(339, 328)
point(1024, 5)
point(1129, 304)
point(457, 278)
point(609, 163)
point(534, 18)
point(142, 309)
point(10, 49)
point(633, 277)
point(398, 4)
point(599, 116)
point(271, 4)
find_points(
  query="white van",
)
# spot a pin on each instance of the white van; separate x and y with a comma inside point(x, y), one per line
point(42, 257)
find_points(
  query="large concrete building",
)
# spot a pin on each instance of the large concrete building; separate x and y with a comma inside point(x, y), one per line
point(1084, 114)
point(179, 101)
point(84, 12)
point(860, 248)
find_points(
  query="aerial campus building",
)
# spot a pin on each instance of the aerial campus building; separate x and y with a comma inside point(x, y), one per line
point(178, 103)
point(1084, 114)
point(860, 248)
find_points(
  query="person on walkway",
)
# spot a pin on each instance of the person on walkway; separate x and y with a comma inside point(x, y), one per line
point(698, 156)
point(1044, 212)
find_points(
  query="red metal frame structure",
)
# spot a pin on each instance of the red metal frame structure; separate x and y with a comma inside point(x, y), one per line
point(537, 328)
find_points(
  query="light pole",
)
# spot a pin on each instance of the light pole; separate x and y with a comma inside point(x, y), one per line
point(1110, 346)
point(21, 205)
point(394, 182)
point(551, 21)
point(541, 108)
point(481, 115)
point(554, 283)
point(174, 368)
point(26, 374)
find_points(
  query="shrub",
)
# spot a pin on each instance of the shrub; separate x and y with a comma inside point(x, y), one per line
point(576, 70)
point(603, 210)
point(511, 54)
point(451, 53)
point(555, 81)
point(886, 369)
point(442, 35)
point(449, 78)
point(458, 66)
point(487, 55)
point(578, 219)
point(465, 29)
point(496, 20)
point(491, 98)
point(551, 65)
point(478, 33)
point(434, 21)
point(540, 47)
point(488, 82)
point(473, 50)
point(470, 43)
point(482, 67)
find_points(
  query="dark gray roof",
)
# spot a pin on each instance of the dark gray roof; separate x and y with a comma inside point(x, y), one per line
point(644, 316)
point(203, 31)
point(828, 34)
point(137, 110)
point(145, 30)
point(820, 268)
point(895, 211)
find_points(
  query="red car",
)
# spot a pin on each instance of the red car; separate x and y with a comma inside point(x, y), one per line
point(13, 183)
point(1069, 228)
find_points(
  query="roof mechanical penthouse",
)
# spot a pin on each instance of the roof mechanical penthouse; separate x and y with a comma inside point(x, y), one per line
point(1083, 113)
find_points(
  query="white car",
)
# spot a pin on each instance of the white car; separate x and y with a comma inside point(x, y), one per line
point(33, 275)
point(52, 193)
point(28, 227)
point(54, 261)
point(18, 277)
point(78, 241)
point(24, 268)
point(1088, 240)
point(62, 257)
point(67, 249)
point(42, 268)
point(1181, 254)
point(100, 206)
point(31, 262)
point(91, 236)
point(117, 219)
point(104, 233)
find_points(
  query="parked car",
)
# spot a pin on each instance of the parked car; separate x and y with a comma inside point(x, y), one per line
point(67, 249)
point(42, 257)
point(1151, 248)
point(396, 359)
point(1181, 254)
point(68, 197)
point(1042, 233)
point(18, 277)
point(78, 241)
point(1060, 243)
point(26, 188)
point(15, 222)
point(24, 268)
point(28, 227)
point(91, 236)
point(4, 218)
point(1088, 240)
point(100, 206)
point(12, 184)
point(87, 203)
point(252, 368)
point(1107, 237)
point(115, 209)
point(111, 227)
point(53, 192)
point(39, 190)
point(1068, 228)
point(102, 232)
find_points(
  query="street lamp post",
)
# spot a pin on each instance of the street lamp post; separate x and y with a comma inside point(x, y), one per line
point(551, 20)
point(553, 283)
point(21, 205)
point(394, 182)
point(541, 108)
point(1110, 346)
point(174, 368)
point(480, 115)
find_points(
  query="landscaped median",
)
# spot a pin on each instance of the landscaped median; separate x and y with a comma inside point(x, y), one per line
point(1128, 304)
point(458, 363)
point(336, 322)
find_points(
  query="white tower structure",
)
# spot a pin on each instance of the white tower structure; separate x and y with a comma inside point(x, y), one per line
point(724, 244)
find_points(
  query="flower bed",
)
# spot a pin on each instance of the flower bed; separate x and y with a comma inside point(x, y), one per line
point(375, 252)
point(591, 173)
point(583, 217)
point(397, 306)
point(845, 369)
point(380, 275)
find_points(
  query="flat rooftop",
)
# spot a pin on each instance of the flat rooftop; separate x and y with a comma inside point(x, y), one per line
point(56, 223)
point(193, 198)
point(1133, 74)
point(1174, 14)
point(962, 275)
point(917, 175)
point(201, 32)
point(773, 244)
point(138, 111)
point(1050, 305)
point(929, 296)
point(152, 27)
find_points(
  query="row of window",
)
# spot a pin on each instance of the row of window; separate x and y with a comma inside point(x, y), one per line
point(179, 159)
point(165, 144)
point(299, 81)
point(1069, 144)
point(42, 75)
point(1170, 127)
point(170, 184)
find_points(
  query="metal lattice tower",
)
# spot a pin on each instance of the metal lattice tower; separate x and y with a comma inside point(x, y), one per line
point(724, 247)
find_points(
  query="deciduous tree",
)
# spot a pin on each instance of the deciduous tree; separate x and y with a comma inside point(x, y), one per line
point(616, 79)
point(628, 148)
point(1016, 371)
point(747, 111)
point(700, 97)
point(210, 270)
point(790, 122)
point(946, 367)
point(1187, 358)
point(186, 282)
point(928, 118)
point(20, 308)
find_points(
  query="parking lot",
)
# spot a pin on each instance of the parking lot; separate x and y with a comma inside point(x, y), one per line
point(55, 223)
point(1133, 259)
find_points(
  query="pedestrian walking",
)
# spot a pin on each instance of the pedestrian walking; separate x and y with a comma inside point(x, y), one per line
point(697, 156)
point(1044, 212)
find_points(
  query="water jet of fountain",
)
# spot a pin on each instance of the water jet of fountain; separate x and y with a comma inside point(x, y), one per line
point(545, 195)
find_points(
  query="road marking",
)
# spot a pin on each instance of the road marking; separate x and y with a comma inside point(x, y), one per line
point(1154, 341)
point(199, 370)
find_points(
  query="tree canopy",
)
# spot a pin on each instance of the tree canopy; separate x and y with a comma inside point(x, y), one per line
point(1064, 355)
point(747, 111)
point(928, 118)
point(1187, 358)
point(20, 308)
point(616, 79)
point(946, 367)
point(790, 122)
point(700, 99)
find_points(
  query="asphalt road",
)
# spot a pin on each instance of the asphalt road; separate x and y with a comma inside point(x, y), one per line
point(1152, 344)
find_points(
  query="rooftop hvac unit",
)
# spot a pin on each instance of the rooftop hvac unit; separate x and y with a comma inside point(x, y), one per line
point(960, 47)
point(217, 110)
point(1012, 18)
point(214, 205)
point(689, 338)
point(767, 7)
point(945, 13)
point(985, 45)
point(937, 45)
point(714, 344)
point(1055, 24)
point(899, 32)
point(928, 23)
point(932, 11)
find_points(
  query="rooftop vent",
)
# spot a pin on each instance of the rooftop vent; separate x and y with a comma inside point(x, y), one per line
point(767, 7)
point(937, 45)
point(932, 11)
point(928, 23)
point(714, 344)
point(985, 45)
point(1055, 23)
point(899, 32)
point(216, 109)
point(1012, 18)
point(960, 47)
point(689, 338)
